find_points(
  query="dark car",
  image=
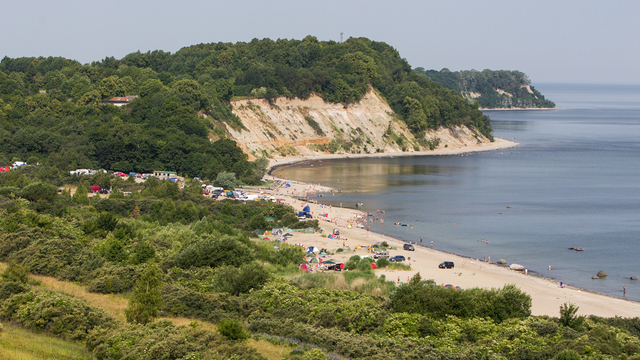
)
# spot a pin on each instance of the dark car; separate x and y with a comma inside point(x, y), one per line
point(446, 265)
point(396, 258)
point(408, 247)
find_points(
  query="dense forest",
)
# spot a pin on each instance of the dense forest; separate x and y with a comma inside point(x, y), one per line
point(491, 89)
point(52, 111)
point(171, 252)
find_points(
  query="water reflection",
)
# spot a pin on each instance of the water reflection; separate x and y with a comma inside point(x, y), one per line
point(368, 175)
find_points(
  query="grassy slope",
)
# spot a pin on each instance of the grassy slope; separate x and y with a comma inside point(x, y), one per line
point(19, 343)
point(115, 305)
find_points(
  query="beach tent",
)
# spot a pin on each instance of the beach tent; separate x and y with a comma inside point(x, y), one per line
point(304, 267)
point(277, 231)
point(358, 247)
point(312, 250)
point(306, 209)
point(267, 239)
point(270, 219)
point(287, 185)
point(336, 231)
point(373, 266)
point(267, 233)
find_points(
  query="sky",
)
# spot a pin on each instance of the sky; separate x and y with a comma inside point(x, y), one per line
point(566, 41)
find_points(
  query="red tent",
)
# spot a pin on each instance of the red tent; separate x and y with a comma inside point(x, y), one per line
point(373, 266)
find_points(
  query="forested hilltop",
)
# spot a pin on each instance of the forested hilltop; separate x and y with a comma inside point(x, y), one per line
point(491, 89)
point(52, 111)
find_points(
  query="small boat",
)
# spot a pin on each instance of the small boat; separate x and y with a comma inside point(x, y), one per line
point(579, 249)
point(572, 248)
point(403, 225)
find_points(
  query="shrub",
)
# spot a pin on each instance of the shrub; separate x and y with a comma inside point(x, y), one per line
point(56, 312)
point(241, 280)
point(232, 329)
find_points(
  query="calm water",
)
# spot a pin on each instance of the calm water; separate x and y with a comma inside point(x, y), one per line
point(573, 182)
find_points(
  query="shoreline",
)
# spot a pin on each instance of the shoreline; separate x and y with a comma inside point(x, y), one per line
point(546, 294)
point(498, 144)
point(517, 109)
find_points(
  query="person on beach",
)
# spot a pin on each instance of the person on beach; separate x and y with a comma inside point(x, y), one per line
point(420, 241)
point(432, 244)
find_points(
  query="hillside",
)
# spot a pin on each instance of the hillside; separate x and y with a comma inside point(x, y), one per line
point(491, 89)
point(285, 127)
point(160, 111)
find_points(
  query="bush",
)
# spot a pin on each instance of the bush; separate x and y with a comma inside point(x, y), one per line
point(241, 280)
point(214, 251)
point(232, 329)
point(57, 313)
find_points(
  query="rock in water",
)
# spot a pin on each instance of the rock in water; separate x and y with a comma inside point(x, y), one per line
point(633, 278)
point(595, 277)
point(516, 267)
point(602, 274)
point(502, 262)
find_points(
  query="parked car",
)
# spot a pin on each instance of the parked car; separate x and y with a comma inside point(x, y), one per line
point(408, 247)
point(446, 265)
point(396, 258)
point(381, 254)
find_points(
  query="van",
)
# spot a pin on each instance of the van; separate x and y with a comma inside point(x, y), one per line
point(446, 265)
point(408, 247)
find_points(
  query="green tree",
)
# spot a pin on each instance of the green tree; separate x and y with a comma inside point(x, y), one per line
point(81, 195)
point(227, 180)
point(146, 299)
point(569, 317)
point(232, 329)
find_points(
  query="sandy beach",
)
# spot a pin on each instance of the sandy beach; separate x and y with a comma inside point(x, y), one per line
point(547, 295)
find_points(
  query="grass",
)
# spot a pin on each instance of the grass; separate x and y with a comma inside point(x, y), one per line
point(18, 343)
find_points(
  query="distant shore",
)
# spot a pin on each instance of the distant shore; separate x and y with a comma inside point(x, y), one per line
point(507, 109)
point(546, 293)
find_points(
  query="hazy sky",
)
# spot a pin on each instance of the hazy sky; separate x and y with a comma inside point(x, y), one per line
point(556, 41)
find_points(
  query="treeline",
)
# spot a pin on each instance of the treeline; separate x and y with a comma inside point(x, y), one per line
point(52, 112)
point(491, 89)
point(175, 253)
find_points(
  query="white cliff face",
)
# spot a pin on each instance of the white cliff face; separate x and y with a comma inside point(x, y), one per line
point(294, 127)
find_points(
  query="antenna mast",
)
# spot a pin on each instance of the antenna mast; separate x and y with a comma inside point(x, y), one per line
point(341, 37)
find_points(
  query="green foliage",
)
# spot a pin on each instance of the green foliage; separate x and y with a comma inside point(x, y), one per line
point(146, 299)
point(240, 280)
point(486, 83)
point(232, 329)
point(568, 316)
point(15, 273)
point(214, 251)
point(56, 313)
point(438, 302)
point(163, 341)
point(226, 180)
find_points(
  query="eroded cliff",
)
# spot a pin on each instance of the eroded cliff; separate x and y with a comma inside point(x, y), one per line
point(294, 127)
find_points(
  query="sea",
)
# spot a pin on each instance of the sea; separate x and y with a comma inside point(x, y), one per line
point(573, 181)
